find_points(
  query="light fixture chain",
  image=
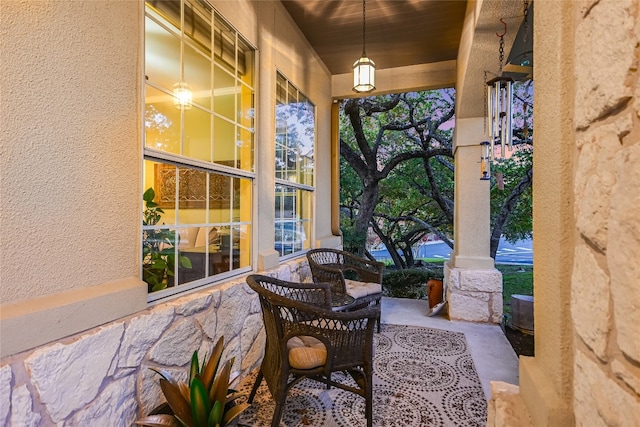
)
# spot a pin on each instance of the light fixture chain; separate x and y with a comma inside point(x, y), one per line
point(526, 20)
point(364, 27)
point(486, 111)
point(501, 52)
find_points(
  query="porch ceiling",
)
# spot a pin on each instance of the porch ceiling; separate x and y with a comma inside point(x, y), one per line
point(398, 32)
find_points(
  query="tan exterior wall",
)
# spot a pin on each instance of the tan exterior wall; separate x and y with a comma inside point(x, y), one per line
point(71, 157)
point(70, 145)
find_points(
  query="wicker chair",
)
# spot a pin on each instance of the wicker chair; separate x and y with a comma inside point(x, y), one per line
point(332, 341)
point(348, 274)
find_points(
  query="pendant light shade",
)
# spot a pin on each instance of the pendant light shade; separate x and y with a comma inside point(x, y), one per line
point(182, 96)
point(364, 69)
point(364, 75)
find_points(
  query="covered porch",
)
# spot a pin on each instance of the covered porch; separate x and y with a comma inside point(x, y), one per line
point(78, 331)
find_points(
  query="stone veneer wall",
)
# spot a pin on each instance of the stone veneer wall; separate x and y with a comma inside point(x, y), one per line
point(605, 283)
point(102, 377)
point(605, 275)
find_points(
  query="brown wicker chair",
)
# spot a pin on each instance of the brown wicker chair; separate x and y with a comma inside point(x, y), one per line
point(293, 310)
point(348, 274)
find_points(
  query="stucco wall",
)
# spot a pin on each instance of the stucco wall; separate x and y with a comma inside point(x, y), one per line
point(70, 181)
point(70, 110)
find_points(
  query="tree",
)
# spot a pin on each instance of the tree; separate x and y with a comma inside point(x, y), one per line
point(382, 133)
point(397, 172)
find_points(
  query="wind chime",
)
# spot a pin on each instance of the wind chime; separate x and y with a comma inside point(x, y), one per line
point(499, 114)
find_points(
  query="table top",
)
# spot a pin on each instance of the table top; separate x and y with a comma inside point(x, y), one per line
point(341, 302)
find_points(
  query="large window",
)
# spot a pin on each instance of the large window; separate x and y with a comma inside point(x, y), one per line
point(198, 147)
point(295, 140)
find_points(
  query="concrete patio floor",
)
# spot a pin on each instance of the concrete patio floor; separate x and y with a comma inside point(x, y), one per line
point(492, 354)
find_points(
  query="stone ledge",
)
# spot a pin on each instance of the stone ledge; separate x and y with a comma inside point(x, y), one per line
point(54, 317)
point(506, 407)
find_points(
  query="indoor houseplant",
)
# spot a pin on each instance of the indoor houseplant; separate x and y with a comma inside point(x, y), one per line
point(158, 247)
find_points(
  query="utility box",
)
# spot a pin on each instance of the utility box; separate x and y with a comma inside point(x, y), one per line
point(522, 313)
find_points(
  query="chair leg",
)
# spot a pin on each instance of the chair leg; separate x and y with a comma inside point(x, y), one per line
point(368, 396)
point(256, 385)
point(277, 414)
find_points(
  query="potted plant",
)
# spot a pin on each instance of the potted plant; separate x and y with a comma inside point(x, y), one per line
point(205, 401)
point(158, 247)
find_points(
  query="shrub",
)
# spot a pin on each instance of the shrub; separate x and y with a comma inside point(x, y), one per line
point(409, 283)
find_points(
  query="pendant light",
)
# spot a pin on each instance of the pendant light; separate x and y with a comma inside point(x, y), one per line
point(364, 69)
point(182, 96)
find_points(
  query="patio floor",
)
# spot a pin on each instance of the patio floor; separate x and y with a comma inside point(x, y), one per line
point(492, 354)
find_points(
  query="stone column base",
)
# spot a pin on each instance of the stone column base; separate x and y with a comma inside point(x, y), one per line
point(473, 295)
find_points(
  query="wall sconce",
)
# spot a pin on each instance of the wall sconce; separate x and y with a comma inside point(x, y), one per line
point(182, 96)
point(485, 162)
point(364, 69)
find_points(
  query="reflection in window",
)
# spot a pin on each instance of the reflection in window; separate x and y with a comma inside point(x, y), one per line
point(198, 147)
point(295, 143)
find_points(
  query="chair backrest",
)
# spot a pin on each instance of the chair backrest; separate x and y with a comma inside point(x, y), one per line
point(285, 317)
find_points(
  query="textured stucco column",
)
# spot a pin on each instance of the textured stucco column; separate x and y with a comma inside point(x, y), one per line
point(474, 286)
point(545, 380)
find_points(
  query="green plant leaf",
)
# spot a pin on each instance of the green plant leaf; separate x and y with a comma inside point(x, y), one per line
point(209, 371)
point(158, 287)
point(149, 195)
point(185, 261)
point(200, 406)
point(159, 264)
point(195, 368)
point(179, 405)
point(215, 417)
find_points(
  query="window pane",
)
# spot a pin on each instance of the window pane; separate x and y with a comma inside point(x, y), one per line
point(197, 73)
point(224, 142)
point(197, 22)
point(245, 107)
point(162, 55)
point(219, 198)
point(245, 63)
point(224, 90)
point(244, 149)
point(162, 122)
point(202, 217)
point(197, 129)
point(293, 220)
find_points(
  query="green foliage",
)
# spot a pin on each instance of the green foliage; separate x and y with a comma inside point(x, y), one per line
point(396, 156)
point(205, 401)
point(408, 283)
point(519, 225)
point(158, 248)
point(516, 280)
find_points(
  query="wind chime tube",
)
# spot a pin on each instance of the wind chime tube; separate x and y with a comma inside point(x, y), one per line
point(510, 115)
point(488, 119)
point(498, 125)
point(492, 114)
point(503, 118)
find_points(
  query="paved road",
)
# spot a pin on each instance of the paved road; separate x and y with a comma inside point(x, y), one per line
point(520, 252)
